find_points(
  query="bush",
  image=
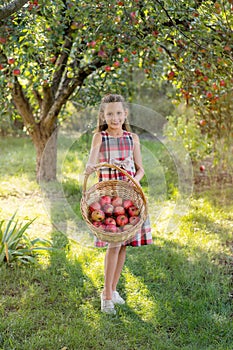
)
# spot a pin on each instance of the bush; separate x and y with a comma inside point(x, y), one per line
point(198, 145)
point(15, 244)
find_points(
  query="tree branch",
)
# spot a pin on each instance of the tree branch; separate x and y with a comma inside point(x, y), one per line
point(61, 62)
point(67, 88)
point(47, 101)
point(9, 9)
point(38, 97)
point(23, 106)
point(175, 24)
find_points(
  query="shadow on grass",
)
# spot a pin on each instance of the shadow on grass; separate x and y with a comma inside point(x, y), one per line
point(173, 302)
point(189, 296)
point(177, 298)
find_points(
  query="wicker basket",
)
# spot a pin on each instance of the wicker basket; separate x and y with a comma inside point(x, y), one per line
point(126, 190)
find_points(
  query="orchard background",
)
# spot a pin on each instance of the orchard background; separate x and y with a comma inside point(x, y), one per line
point(56, 62)
point(177, 52)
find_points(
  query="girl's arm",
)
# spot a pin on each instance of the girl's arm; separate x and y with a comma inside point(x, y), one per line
point(137, 158)
point(94, 153)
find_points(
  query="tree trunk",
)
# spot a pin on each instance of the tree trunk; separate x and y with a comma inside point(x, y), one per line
point(46, 154)
point(43, 134)
point(8, 9)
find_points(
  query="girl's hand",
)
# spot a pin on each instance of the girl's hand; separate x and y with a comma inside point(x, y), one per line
point(90, 168)
point(136, 180)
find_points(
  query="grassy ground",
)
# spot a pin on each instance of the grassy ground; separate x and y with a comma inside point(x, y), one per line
point(178, 291)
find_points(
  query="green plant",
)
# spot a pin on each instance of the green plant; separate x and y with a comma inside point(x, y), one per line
point(15, 244)
point(186, 127)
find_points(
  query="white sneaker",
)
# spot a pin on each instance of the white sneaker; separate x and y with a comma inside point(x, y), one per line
point(117, 299)
point(107, 306)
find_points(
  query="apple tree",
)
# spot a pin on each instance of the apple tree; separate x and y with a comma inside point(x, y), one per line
point(205, 50)
point(84, 48)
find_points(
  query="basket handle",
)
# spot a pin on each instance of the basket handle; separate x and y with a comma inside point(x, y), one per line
point(113, 166)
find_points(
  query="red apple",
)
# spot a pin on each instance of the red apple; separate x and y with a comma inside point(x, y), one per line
point(209, 94)
point(110, 221)
point(99, 224)
point(127, 203)
point(198, 72)
point(126, 59)
point(155, 33)
point(111, 228)
point(11, 60)
point(134, 220)
point(108, 209)
point(105, 200)
point(116, 64)
point(97, 215)
point(93, 43)
point(122, 220)
point(117, 201)
point(119, 211)
point(53, 59)
point(133, 211)
point(94, 206)
point(171, 75)
point(133, 15)
point(1, 66)
point(16, 71)
point(222, 83)
point(202, 168)
point(2, 40)
point(107, 68)
point(202, 122)
point(102, 53)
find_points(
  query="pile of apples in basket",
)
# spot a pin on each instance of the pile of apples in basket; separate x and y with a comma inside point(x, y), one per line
point(114, 214)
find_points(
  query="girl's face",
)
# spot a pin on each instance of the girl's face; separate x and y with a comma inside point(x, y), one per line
point(115, 115)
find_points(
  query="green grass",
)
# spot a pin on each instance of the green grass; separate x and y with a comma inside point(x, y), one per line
point(178, 290)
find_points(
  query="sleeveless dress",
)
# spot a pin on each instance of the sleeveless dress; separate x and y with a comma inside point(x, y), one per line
point(120, 150)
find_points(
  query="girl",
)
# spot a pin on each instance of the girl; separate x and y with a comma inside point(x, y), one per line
point(111, 143)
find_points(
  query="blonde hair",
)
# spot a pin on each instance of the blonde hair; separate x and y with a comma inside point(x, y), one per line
point(101, 124)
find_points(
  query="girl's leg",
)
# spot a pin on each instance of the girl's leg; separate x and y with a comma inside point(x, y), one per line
point(119, 266)
point(111, 261)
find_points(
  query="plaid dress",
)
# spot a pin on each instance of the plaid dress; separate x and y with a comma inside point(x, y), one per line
point(120, 149)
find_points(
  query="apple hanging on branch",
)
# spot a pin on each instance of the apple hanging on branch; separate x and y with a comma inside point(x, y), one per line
point(16, 71)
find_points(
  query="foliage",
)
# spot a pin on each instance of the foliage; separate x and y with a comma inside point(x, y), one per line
point(83, 49)
point(96, 46)
point(214, 149)
point(15, 244)
point(10, 124)
point(183, 123)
